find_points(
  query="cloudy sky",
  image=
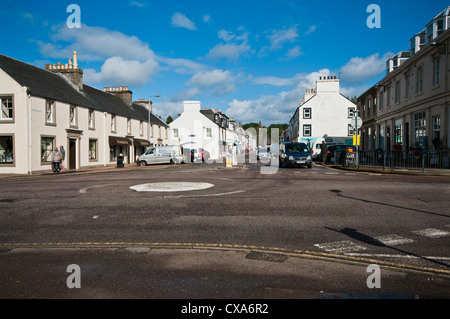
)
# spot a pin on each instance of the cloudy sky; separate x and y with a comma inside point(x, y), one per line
point(253, 59)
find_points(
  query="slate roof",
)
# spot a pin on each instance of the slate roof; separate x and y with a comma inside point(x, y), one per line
point(49, 85)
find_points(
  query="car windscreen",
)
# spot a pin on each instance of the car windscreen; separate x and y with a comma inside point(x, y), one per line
point(296, 148)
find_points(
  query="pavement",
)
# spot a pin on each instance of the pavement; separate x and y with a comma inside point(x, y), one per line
point(128, 167)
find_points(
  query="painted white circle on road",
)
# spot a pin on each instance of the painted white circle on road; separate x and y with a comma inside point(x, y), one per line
point(171, 187)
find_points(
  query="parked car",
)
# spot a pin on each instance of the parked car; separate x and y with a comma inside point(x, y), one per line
point(263, 153)
point(161, 154)
point(336, 153)
point(295, 154)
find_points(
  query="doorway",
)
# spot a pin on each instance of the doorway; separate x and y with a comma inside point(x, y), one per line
point(72, 154)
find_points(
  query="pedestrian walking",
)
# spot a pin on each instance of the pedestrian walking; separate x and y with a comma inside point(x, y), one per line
point(62, 151)
point(56, 160)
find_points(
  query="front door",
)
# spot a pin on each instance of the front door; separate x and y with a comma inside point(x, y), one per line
point(72, 153)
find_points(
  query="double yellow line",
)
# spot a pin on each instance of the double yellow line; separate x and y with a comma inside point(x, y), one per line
point(246, 248)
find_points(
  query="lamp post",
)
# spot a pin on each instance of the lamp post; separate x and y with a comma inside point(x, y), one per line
point(149, 115)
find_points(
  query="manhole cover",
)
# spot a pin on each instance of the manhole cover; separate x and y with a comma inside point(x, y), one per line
point(171, 187)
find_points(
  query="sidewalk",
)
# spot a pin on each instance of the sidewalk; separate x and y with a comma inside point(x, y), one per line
point(387, 170)
point(93, 169)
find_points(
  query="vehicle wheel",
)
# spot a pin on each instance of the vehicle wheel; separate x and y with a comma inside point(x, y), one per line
point(142, 163)
point(309, 166)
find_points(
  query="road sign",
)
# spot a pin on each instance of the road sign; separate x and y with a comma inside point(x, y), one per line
point(353, 122)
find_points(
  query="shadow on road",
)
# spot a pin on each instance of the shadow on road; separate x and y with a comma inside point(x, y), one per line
point(353, 233)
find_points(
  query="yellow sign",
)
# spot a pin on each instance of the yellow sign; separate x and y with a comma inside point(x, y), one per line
point(354, 140)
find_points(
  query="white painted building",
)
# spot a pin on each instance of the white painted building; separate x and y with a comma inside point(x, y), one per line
point(42, 109)
point(209, 129)
point(192, 129)
point(323, 111)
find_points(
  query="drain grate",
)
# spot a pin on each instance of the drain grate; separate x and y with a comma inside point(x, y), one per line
point(255, 255)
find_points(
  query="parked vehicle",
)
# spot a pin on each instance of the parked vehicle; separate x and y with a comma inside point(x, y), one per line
point(161, 154)
point(263, 153)
point(336, 153)
point(316, 151)
point(295, 154)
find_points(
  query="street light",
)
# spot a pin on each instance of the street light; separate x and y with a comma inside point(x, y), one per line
point(149, 114)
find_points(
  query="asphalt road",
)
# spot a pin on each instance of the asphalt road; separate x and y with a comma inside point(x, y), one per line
point(296, 233)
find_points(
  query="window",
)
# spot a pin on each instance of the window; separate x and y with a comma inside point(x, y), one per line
point(351, 112)
point(380, 136)
point(92, 149)
point(113, 123)
point(350, 130)
point(397, 92)
point(398, 132)
point(307, 113)
point(6, 150)
point(408, 79)
point(430, 33)
point(91, 121)
point(208, 132)
point(50, 112)
point(436, 132)
point(307, 130)
point(73, 116)
point(128, 126)
point(7, 113)
point(419, 80)
point(175, 132)
point(440, 27)
point(388, 97)
point(381, 101)
point(420, 125)
point(369, 102)
point(374, 105)
point(47, 145)
point(436, 72)
point(141, 128)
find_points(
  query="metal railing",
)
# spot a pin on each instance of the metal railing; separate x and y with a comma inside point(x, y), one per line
point(413, 159)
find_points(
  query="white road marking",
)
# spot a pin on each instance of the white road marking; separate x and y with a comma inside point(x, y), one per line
point(84, 190)
point(204, 195)
point(392, 240)
point(340, 246)
point(396, 256)
point(171, 187)
point(431, 232)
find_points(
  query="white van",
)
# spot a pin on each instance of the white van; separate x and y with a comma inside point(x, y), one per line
point(161, 154)
point(317, 148)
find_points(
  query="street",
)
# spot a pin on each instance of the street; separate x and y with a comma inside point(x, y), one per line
point(234, 233)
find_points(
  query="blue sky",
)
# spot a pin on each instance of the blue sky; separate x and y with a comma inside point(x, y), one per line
point(253, 59)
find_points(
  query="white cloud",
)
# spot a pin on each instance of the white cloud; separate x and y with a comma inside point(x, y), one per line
point(234, 47)
point(181, 21)
point(293, 53)
point(275, 108)
point(206, 18)
point(311, 30)
point(139, 4)
point(278, 38)
point(219, 82)
point(362, 69)
point(117, 71)
point(94, 44)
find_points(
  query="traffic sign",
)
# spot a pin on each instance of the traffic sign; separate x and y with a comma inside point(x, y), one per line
point(353, 122)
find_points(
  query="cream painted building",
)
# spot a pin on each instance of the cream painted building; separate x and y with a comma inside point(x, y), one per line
point(410, 107)
point(43, 109)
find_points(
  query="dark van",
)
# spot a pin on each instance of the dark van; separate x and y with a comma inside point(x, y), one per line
point(295, 154)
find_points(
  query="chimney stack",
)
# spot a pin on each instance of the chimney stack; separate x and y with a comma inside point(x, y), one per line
point(69, 71)
point(121, 92)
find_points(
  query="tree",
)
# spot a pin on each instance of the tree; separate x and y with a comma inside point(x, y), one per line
point(169, 120)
